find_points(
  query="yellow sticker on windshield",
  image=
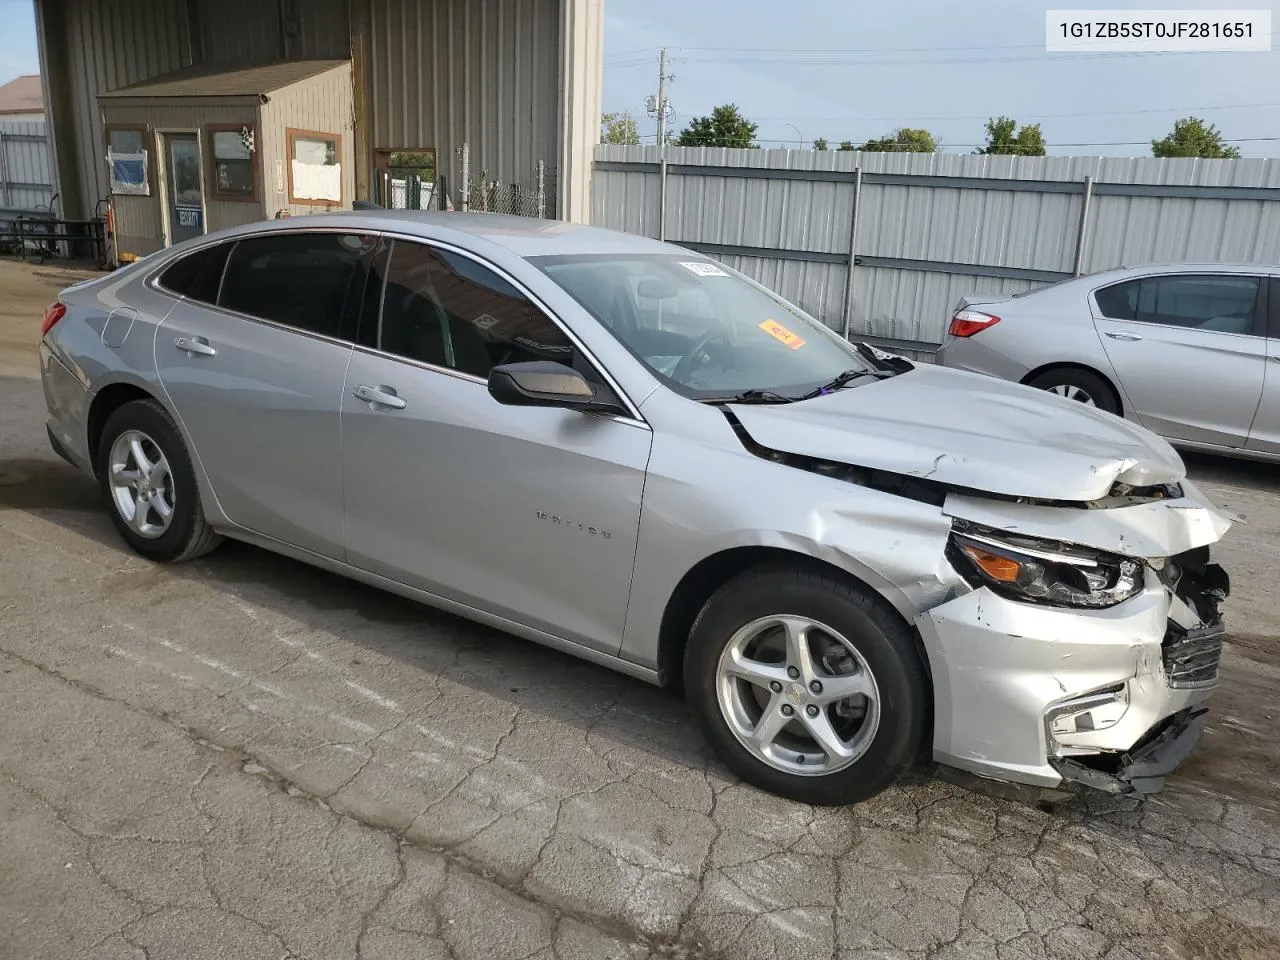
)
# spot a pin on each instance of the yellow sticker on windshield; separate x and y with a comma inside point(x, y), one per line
point(776, 330)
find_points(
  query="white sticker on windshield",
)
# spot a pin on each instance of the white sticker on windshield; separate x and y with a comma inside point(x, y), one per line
point(702, 268)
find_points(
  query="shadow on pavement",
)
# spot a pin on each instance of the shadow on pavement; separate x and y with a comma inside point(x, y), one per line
point(563, 687)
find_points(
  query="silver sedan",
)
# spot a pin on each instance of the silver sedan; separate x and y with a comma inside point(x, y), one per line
point(1190, 351)
point(853, 565)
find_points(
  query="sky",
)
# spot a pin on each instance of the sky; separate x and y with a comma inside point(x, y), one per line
point(964, 63)
point(938, 64)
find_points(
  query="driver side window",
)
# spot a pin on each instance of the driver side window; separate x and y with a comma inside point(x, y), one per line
point(450, 311)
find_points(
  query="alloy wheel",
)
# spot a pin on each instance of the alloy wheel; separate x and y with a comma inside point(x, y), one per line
point(141, 484)
point(1071, 392)
point(798, 695)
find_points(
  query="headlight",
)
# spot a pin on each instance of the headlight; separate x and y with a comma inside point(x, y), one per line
point(1039, 571)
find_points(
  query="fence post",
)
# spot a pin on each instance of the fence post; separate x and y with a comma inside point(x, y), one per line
point(1082, 235)
point(4, 171)
point(662, 197)
point(466, 177)
point(542, 189)
point(853, 250)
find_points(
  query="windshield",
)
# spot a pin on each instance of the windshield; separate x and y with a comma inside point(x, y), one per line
point(705, 329)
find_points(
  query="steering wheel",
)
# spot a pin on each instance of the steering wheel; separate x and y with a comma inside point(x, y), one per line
point(697, 355)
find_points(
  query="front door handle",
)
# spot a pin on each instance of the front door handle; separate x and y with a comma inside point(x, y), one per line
point(1127, 337)
point(380, 396)
point(194, 345)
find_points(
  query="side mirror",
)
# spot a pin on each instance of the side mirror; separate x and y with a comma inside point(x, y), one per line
point(544, 383)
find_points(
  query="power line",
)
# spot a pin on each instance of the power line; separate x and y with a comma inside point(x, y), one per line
point(808, 59)
point(971, 61)
point(1031, 118)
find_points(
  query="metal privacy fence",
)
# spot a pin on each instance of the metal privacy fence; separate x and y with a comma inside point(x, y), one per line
point(883, 244)
point(26, 168)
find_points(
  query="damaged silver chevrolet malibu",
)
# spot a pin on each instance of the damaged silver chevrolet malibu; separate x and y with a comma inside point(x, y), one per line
point(853, 564)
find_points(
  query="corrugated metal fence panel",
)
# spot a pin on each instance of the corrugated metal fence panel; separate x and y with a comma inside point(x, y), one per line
point(1133, 230)
point(1031, 230)
point(113, 45)
point(973, 231)
point(483, 72)
point(915, 304)
point(26, 166)
point(625, 201)
point(817, 288)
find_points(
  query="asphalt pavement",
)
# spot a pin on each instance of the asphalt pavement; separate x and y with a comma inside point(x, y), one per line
point(243, 757)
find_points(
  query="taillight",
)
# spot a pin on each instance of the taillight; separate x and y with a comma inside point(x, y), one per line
point(52, 314)
point(968, 322)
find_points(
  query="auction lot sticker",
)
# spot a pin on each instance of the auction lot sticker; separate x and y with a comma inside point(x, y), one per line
point(776, 330)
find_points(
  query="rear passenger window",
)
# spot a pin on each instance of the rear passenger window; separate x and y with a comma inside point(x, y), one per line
point(311, 281)
point(1118, 301)
point(448, 310)
point(1222, 304)
point(197, 275)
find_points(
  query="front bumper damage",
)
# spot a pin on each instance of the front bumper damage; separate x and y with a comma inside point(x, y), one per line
point(1112, 699)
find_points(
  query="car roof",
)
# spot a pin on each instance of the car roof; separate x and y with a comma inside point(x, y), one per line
point(523, 236)
point(1144, 268)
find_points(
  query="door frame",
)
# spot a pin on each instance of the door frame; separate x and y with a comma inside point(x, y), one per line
point(162, 174)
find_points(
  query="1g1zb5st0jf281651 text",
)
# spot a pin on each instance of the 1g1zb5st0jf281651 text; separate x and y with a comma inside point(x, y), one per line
point(1158, 31)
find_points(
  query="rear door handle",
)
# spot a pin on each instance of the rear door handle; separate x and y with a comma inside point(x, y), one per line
point(195, 345)
point(1127, 337)
point(380, 396)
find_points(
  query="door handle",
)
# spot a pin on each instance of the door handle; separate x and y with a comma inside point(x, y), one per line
point(381, 396)
point(1127, 337)
point(195, 345)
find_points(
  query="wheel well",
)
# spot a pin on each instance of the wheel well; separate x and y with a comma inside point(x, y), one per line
point(1049, 367)
point(108, 400)
point(709, 575)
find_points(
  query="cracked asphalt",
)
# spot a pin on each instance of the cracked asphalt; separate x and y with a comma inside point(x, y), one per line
point(243, 757)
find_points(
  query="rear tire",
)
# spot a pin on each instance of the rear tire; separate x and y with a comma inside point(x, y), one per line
point(149, 485)
point(841, 727)
point(1083, 386)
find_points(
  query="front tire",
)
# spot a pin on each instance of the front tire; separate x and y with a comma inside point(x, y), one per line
point(149, 485)
point(807, 685)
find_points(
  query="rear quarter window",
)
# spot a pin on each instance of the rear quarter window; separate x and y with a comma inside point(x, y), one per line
point(1118, 301)
point(197, 275)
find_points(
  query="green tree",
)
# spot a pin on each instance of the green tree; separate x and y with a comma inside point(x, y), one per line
point(820, 143)
point(725, 127)
point(903, 140)
point(619, 128)
point(846, 145)
point(415, 163)
point(1004, 136)
point(1193, 137)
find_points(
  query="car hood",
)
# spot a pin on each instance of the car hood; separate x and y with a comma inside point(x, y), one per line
point(969, 431)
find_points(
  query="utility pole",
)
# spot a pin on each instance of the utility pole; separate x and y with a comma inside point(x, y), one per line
point(659, 107)
point(662, 98)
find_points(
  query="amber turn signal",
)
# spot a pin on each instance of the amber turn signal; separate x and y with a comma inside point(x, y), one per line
point(998, 568)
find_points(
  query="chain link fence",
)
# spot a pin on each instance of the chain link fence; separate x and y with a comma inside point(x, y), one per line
point(486, 195)
point(413, 188)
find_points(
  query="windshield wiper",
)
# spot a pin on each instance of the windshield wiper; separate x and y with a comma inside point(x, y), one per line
point(752, 396)
point(846, 378)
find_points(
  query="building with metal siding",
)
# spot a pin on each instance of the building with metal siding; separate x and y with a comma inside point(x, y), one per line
point(271, 101)
point(519, 81)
